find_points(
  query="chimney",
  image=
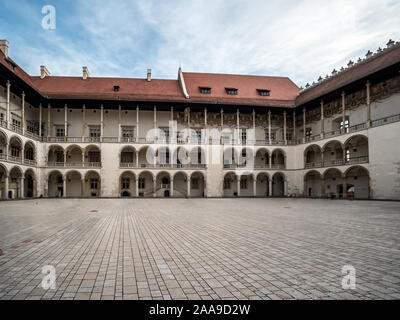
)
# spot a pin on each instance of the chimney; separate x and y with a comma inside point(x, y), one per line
point(148, 75)
point(4, 47)
point(85, 73)
point(44, 72)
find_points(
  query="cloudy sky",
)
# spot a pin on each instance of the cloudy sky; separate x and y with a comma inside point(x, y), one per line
point(299, 39)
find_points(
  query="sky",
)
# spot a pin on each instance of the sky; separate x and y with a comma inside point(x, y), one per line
point(123, 38)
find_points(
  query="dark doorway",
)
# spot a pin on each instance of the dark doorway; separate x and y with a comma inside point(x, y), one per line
point(166, 194)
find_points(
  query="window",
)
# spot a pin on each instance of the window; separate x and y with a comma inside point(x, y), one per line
point(231, 91)
point(125, 183)
point(116, 88)
point(16, 123)
point(205, 90)
point(60, 179)
point(347, 155)
point(94, 184)
point(94, 131)
point(1, 116)
point(29, 154)
point(60, 132)
point(94, 156)
point(142, 183)
point(195, 184)
point(244, 135)
point(346, 124)
point(243, 183)
point(127, 157)
point(227, 184)
point(59, 156)
point(264, 92)
point(267, 137)
point(308, 132)
point(15, 152)
point(128, 132)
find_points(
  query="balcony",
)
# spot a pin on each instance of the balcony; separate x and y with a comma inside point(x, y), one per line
point(337, 162)
point(74, 165)
point(161, 166)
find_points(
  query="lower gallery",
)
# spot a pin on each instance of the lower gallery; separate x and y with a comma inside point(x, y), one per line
point(202, 135)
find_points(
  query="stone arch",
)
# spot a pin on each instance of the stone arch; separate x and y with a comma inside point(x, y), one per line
point(230, 184)
point(262, 158)
point(181, 157)
point(30, 151)
point(356, 149)
point(333, 153)
point(146, 182)
point(127, 184)
point(180, 179)
point(75, 154)
point(29, 184)
point(333, 183)
point(73, 184)
point(197, 156)
point(92, 185)
point(55, 155)
point(3, 187)
point(163, 184)
point(313, 181)
point(3, 144)
point(55, 184)
point(278, 159)
point(262, 184)
point(15, 188)
point(197, 184)
point(15, 148)
point(127, 156)
point(357, 183)
point(279, 185)
point(146, 156)
point(163, 156)
point(92, 155)
point(313, 156)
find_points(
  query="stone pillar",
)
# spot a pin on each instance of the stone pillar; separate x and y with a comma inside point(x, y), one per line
point(322, 120)
point(344, 112)
point(137, 123)
point(65, 157)
point(368, 85)
point(101, 123)
point(48, 120)
point(65, 122)
point(270, 160)
point(65, 187)
point(206, 125)
point(83, 122)
point(137, 187)
point(137, 158)
point(188, 186)
point(238, 185)
point(254, 120)
point(254, 187)
point(270, 186)
point(269, 126)
point(82, 187)
point(304, 125)
point(294, 126)
point(83, 158)
point(23, 113)
point(238, 126)
point(119, 123)
point(7, 151)
point(155, 117)
point(40, 121)
point(284, 127)
point(8, 119)
point(222, 118)
point(22, 154)
point(171, 191)
point(21, 189)
point(154, 187)
point(5, 188)
point(285, 187)
point(35, 191)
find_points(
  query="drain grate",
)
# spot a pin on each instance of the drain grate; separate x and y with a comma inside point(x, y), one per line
point(94, 211)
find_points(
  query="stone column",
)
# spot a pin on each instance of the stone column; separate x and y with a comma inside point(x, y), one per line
point(48, 120)
point(344, 112)
point(137, 187)
point(40, 121)
point(188, 186)
point(7, 151)
point(22, 154)
point(269, 126)
point(23, 112)
point(294, 126)
point(137, 158)
point(21, 189)
point(368, 85)
point(8, 119)
point(65, 158)
point(83, 158)
point(65, 122)
point(238, 126)
point(6, 187)
point(270, 186)
point(155, 117)
point(35, 193)
point(171, 191)
point(285, 187)
point(222, 118)
point(322, 120)
point(344, 188)
point(270, 160)
point(65, 187)
point(284, 127)
point(82, 187)
point(119, 123)
point(254, 187)
point(154, 187)
point(101, 123)
point(238, 185)
point(137, 123)
point(304, 125)
point(83, 122)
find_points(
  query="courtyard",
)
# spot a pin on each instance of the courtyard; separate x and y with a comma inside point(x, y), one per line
point(199, 248)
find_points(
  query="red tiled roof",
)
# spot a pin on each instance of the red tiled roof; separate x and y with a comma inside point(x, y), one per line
point(380, 61)
point(103, 88)
point(283, 91)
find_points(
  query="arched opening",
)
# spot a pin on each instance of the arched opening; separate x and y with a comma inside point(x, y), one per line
point(333, 184)
point(197, 157)
point(128, 157)
point(128, 184)
point(262, 159)
point(146, 157)
point(313, 157)
point(30, 154)
point(3, 145)
point(163, 157)
point(55, 185)
point(92, 156)
point(230, 185)
point(180, 185)
point(162, 184)
point(181, 157)
point(74, 156)
point(73, 184)
point(262, 185)
point(30, 184)
point(92, 184)
point(3, 187)
point(197, 185)
point(15, 149)
point(356, 149)
point(14, 187)
point(278, 159)
point(278, 185)
point(333, 153)
point(357, 183)
point(55, 156)
point(246, 185)
point(313, 184)
point(245, 158)
point(230, 157)
point(145, 184)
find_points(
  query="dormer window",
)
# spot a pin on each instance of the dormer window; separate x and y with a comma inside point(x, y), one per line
point(232, 91)
point(205, 90)
point(116, 88)
point(264, 92)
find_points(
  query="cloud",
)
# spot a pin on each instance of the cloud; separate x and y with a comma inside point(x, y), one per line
point(298, 39)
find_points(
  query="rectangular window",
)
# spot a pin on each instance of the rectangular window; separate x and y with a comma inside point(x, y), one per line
point(244, 135)
point(60, 132)
point(232, 91)
point(289, 135)
point(205, 90)
point(346, 124)
point(195, 184)
point(128, 132)
point(15, 152)
point(94, 131)
point(125, 183)
point(16, 123)
point(267, 135)
point(308, 132)
point(142, 183)
point(263, 92)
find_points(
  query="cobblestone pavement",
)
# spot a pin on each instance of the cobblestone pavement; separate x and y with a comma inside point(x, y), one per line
point(199, 249)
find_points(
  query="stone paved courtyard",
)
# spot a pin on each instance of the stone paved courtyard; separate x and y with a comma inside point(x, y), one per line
point(199, 249)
